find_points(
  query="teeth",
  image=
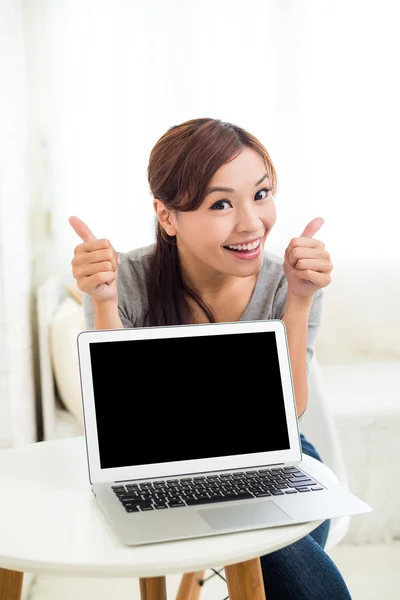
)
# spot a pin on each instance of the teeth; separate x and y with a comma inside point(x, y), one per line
point(252, 246)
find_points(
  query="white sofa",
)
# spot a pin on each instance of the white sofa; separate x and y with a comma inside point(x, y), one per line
point(359, 352)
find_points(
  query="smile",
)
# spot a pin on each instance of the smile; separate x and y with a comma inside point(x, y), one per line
point(245, 252)
point(244, 247)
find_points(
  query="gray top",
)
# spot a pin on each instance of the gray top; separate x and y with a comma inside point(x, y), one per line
point(267, 302)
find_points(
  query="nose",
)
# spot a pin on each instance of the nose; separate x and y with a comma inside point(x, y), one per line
point(248, 219)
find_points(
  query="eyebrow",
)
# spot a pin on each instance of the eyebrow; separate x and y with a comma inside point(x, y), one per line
point(231, 190)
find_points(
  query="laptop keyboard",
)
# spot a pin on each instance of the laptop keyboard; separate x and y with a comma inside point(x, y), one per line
point(209, 489)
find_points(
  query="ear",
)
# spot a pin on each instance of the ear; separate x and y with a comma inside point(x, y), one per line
point(165, 217)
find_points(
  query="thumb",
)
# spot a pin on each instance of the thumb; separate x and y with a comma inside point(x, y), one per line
point(312, 228)
point(81, 229)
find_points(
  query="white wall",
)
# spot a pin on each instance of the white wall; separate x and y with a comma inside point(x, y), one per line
point(312, 80)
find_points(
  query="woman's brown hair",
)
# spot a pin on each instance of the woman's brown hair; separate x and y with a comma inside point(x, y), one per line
point(181, 164)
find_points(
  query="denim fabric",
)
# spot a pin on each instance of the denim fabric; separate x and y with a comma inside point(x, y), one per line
point(303, 570)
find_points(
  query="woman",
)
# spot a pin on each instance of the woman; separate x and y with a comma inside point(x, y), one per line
point(213, 185)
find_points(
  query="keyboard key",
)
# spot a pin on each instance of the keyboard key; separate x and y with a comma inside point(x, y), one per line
point(130, 498)
point(174, 503)
point(145, 505)
point(228, 497)
point(301, 483)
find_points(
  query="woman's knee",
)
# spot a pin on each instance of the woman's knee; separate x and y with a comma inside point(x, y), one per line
point(320, 533)
point(302, 571)
point(309, 449)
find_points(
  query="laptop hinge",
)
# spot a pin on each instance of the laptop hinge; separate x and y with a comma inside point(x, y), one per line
point(196, 473)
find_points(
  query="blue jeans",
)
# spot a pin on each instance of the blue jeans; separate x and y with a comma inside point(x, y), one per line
point(303, 570)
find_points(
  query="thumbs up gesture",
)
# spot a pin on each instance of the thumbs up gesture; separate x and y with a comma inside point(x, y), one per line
point(307, 265)
point(95, 264)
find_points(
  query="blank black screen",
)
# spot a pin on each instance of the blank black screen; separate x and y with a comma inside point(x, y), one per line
point(187, 398)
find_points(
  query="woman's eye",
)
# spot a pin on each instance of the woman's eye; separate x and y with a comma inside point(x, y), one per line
point(265, 191)
point(224, 204)
point(220, 205)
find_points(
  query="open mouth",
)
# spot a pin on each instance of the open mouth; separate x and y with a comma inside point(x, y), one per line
point(245, 248)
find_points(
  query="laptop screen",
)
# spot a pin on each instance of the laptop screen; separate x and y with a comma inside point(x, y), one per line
point(183, 398)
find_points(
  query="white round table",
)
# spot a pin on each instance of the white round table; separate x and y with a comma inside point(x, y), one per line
point(50, 523)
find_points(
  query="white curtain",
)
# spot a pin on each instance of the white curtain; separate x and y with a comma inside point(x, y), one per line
point(17, 398)
point(111, 77)
point(315, 81)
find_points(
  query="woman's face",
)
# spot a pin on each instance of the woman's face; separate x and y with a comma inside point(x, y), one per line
point(227, 233)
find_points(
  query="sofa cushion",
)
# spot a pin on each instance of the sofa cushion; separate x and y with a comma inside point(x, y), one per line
point(66, 324)
point(360, 312)
point(365, 400)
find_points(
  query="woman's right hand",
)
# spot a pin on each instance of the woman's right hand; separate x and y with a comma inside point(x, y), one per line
point(95, 264)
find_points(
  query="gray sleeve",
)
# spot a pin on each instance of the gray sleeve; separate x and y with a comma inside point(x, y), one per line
point(88, 313)
point(314, 319)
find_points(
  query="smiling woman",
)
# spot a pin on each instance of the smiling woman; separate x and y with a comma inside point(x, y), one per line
point(213, 186)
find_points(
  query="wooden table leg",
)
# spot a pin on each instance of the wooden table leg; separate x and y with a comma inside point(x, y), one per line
point(189, 587)
point(10, 584)
point(152, 588)
point(245, 580)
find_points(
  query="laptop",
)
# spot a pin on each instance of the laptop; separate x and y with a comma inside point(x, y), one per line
point(191, 431)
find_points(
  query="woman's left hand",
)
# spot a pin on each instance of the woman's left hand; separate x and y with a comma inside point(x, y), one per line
point(307, 265)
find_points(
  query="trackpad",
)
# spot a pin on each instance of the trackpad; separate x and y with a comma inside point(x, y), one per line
point(261, 513)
